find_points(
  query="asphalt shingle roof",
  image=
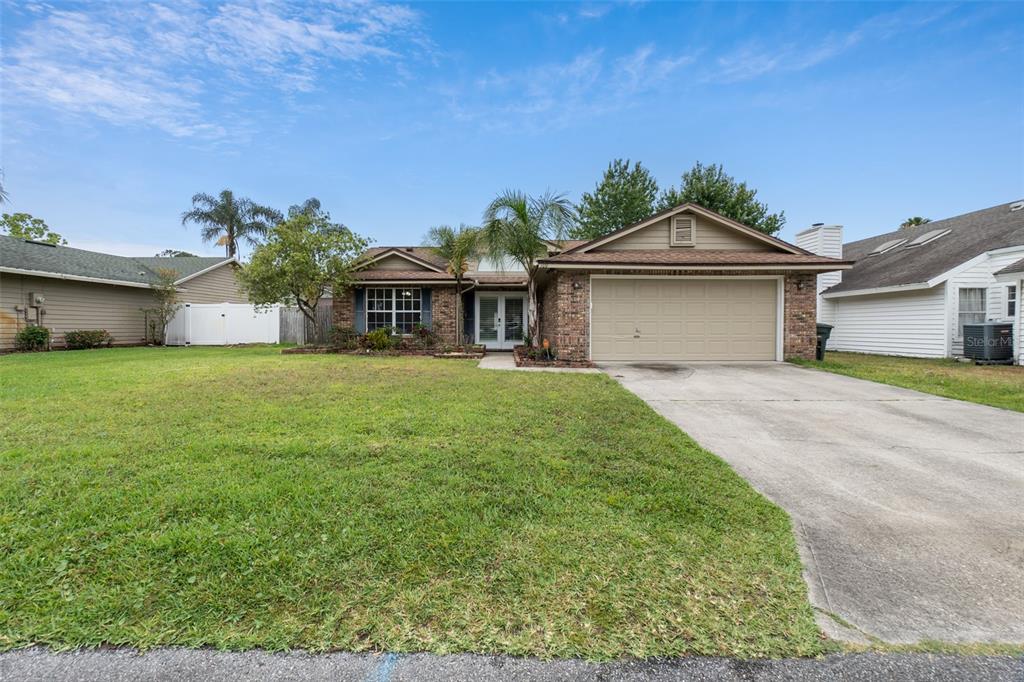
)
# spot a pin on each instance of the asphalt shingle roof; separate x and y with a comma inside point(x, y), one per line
point(971, 234)
point(1012, 267)
point(690, 257)
point(66, 260)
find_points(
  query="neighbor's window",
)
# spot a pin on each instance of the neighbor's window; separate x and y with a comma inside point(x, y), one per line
point(396, 308)
point(1011, 300)
point(971, 309)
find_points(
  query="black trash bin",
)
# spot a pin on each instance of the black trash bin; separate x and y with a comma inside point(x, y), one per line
point(824, 331)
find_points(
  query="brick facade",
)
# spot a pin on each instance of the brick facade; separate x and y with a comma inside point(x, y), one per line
point(800, 324)
point(442, 303)
point(565, 310)
point(442, 315)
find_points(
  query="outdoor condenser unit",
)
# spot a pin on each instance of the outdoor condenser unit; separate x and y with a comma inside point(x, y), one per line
point(990, 342)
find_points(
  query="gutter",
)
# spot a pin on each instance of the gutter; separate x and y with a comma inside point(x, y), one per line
point(683, 266)
point(74, 278)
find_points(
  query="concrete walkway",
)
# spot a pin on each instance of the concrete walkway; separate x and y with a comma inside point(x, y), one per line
point(505, 361)
point(204, 665)
point(908, 508)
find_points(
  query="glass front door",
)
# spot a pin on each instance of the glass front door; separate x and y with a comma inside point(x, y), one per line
point(501, 319)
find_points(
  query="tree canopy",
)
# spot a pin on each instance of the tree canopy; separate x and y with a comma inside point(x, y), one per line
point(227, 220)
point(175, 253)
point(26, 226)
point(624, 195)
point(915, 221)
point(301, 259)
point(714, 189)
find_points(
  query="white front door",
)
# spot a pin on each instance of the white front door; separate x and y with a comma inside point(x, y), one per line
point(500, 319)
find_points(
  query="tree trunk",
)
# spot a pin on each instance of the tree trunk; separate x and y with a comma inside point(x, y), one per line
point(309, 312)
point(531, 314)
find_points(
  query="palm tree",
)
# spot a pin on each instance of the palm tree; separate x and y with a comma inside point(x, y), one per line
point(520, 227)
point(458, 248)
point(227, 220)
point(915, 221)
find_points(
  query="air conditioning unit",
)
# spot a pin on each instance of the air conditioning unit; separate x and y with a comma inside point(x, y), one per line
point(36, 300)
point(989, 342)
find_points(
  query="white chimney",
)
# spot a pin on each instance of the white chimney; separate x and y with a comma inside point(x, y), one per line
point(824, 240)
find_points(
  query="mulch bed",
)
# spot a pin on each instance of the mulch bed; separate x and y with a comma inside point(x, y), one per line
point(519, 355)
point(322, 350)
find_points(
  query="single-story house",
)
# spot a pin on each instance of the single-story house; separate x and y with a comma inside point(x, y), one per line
point(64, 288)
point(1013, 277)
point(685, 284)
point(911, 291)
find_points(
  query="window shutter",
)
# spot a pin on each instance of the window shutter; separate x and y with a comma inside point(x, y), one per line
point(360, 310)
point(682, 230)
point(426, 309)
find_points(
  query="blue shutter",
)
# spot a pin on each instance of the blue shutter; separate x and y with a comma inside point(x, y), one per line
point(426, 313)
point(360, 310)
point(468, 325)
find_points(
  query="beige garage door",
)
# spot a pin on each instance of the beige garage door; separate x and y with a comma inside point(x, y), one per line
point(683, 319)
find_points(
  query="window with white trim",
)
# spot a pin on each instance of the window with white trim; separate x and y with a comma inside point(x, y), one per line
point(970, 309)
point(1011, 301)
point(400, 309)
point(683, 229)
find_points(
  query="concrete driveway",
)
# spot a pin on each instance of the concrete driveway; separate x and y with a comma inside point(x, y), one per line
point(908, 508)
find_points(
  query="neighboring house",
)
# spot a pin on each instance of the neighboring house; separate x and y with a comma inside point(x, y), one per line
point(911, 291)
point(685, 284)
point(64, 289)
point(1012, 276)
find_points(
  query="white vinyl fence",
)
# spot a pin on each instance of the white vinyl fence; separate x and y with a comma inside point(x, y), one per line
point(223, 324)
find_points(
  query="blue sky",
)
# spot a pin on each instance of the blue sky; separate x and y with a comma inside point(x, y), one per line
point(399, 117)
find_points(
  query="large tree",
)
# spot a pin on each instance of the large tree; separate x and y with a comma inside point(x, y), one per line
point(519, 227)
point(226, 220)
point(302, 258)
point(624, 195)
point(458, 248)
point(915, 221)
point(26, 226)
point(714, 189)
point(175, 253)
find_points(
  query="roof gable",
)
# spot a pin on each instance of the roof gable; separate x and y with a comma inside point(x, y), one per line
point(402, 258)
point(763, 240)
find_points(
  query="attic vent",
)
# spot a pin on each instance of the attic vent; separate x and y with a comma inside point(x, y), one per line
point(33, 241)
point(887, 246)
point(682, 231)
point(922, 239)
point(1016, 206)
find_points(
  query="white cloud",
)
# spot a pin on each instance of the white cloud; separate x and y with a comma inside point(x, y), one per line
point(756, 59)
point(151, 64)
point(554, 95)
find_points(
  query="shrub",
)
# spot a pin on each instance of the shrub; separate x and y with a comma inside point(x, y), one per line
point(87, 338)
point(32, 337)
point(378, 339)
point(424, 337)
point(343, 337)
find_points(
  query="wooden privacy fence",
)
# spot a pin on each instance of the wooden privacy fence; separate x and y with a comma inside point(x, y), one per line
point(295, 328)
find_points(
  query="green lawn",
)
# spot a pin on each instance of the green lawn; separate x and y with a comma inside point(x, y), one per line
point(240, 498)
point(996, 385)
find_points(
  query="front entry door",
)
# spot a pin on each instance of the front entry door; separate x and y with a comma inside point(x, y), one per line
point(501, 320)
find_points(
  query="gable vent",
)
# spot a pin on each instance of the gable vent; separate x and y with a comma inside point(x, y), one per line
point(683, 228)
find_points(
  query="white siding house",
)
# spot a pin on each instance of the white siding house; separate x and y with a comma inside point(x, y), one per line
point(911, 291)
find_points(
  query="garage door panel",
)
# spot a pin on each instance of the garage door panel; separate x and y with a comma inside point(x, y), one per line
point(684, 319)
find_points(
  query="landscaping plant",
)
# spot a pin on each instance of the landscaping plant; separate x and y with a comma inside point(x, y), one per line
point(87, 338)
point(31, 338)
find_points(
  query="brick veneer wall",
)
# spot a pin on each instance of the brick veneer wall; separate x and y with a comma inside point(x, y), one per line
point(344, 308)
point(800, 328)
point(565, 310)
point(442, 305)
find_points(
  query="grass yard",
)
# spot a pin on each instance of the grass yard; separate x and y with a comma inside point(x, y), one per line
point(995, 385)
point(239, 498)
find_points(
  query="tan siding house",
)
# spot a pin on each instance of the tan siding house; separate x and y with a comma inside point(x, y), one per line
point(65, 289)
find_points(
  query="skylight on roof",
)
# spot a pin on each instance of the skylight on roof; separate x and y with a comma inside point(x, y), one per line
point(923, 239)
point(887, 246)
